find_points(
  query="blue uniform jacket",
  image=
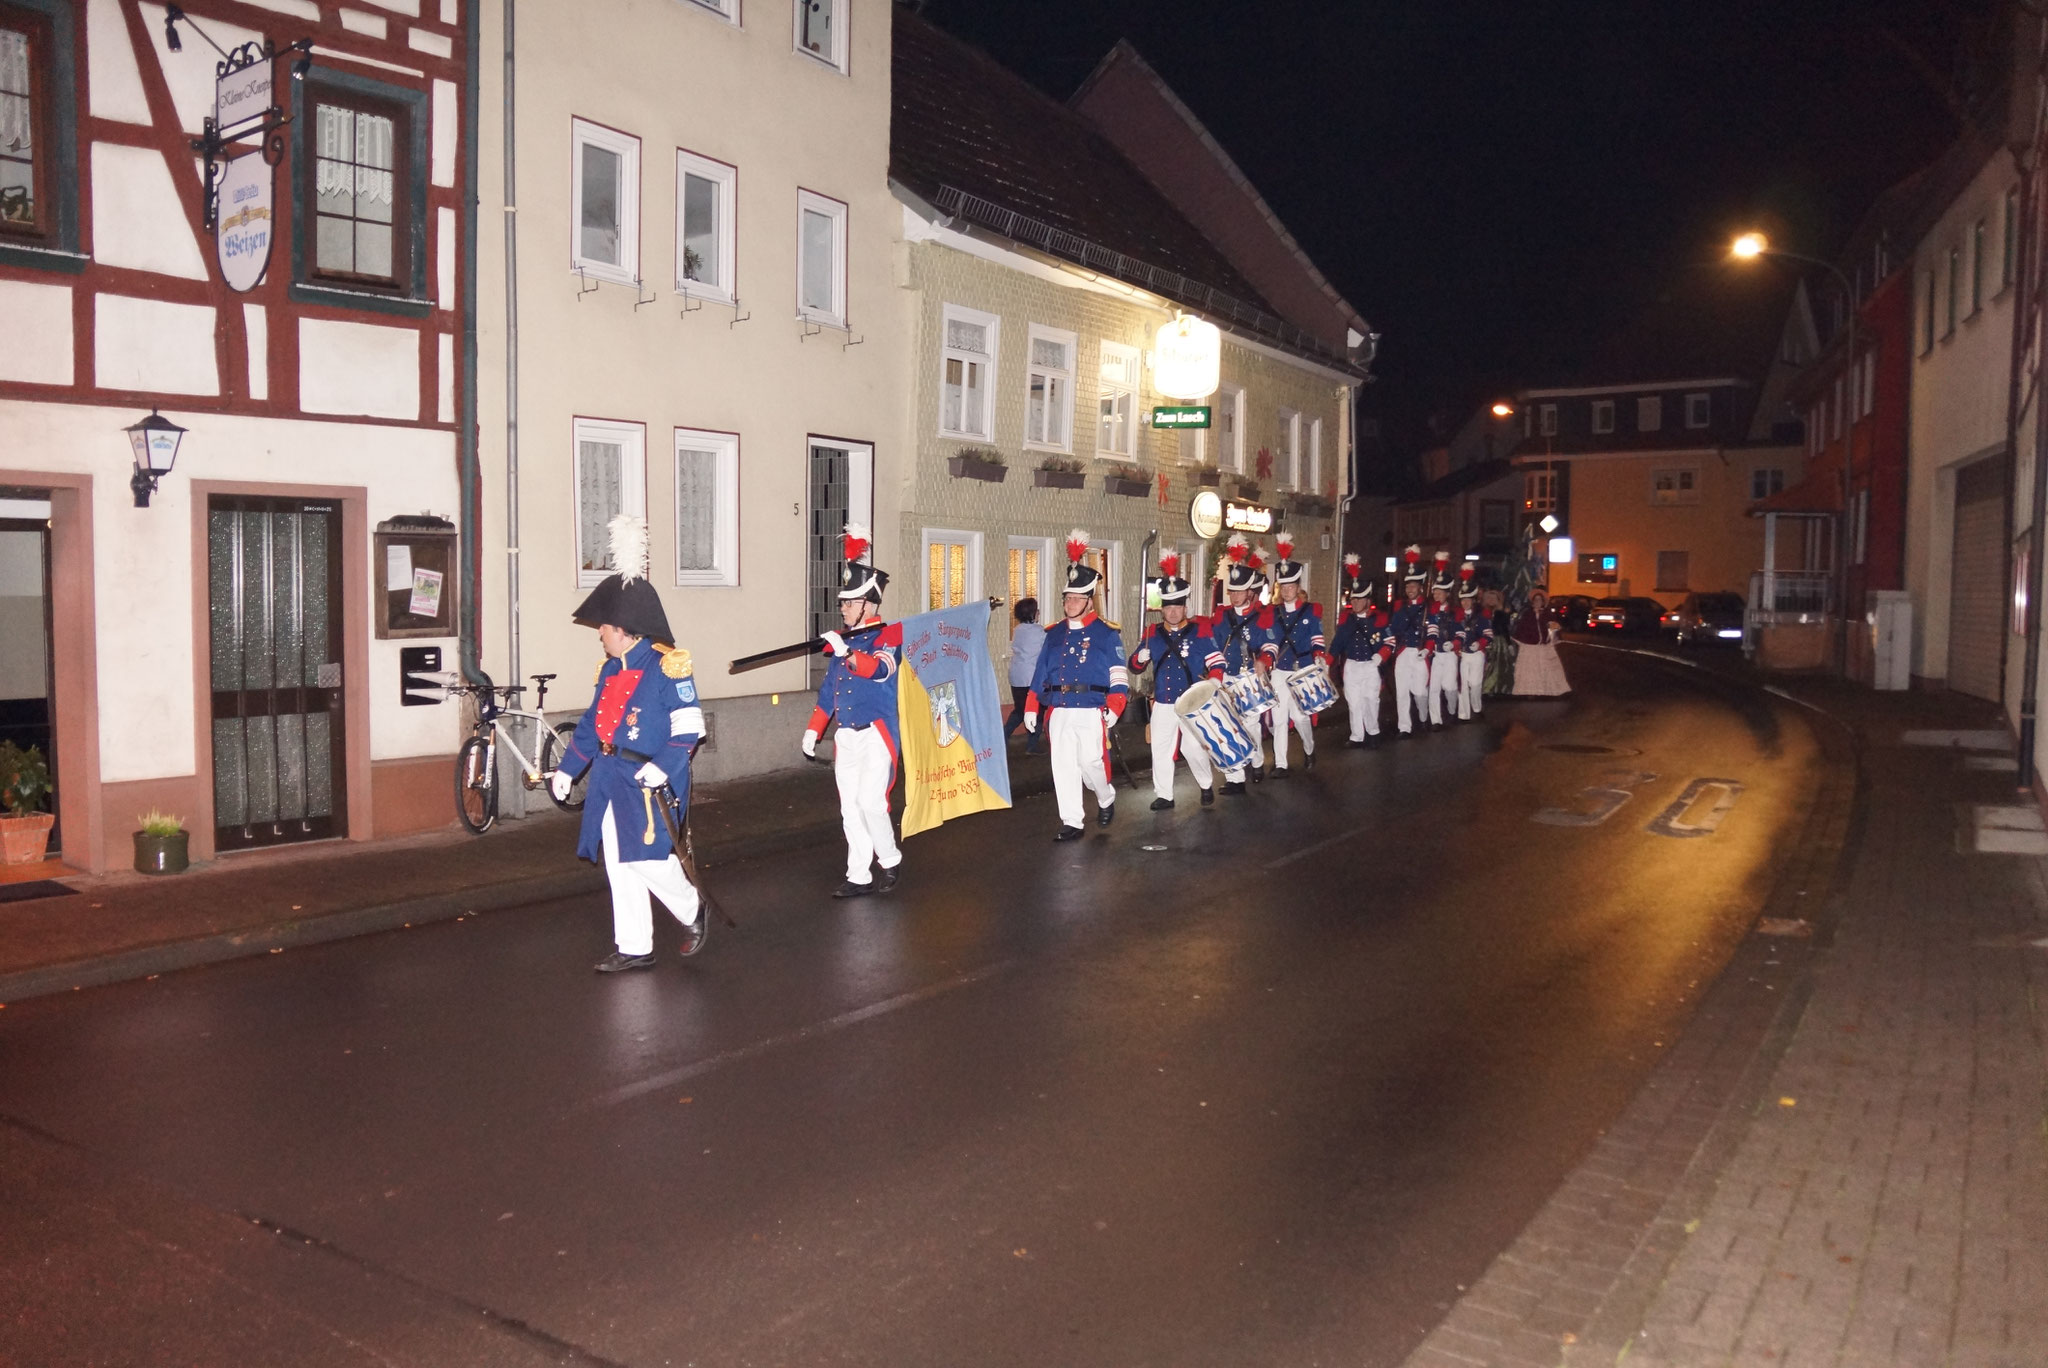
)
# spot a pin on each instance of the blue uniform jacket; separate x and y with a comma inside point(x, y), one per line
point(1179, 659)
point(646, 710)
point(1294, 638)
point(859, 688)
point(1441, 624)
point(1363, 636)
point(1410, 628)
point(1475, 630)
point(1239, 636)
point(1082, 666)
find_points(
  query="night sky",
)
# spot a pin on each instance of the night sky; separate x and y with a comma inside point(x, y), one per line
point(1499, 186)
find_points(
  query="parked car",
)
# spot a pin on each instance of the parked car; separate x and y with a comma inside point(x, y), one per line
point(1569, 611)
point(1710, 620)
point(1626, 615)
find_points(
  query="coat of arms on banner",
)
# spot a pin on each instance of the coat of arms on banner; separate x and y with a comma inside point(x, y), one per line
point(243, 232)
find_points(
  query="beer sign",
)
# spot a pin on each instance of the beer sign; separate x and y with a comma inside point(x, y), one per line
point(242, 231)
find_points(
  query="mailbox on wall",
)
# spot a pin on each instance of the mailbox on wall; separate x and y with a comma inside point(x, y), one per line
point(416, 566)
point(421, 680)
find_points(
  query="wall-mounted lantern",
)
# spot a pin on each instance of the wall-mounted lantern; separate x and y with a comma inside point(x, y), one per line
point(155, 442)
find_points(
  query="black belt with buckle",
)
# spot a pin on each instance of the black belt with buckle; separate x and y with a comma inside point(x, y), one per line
point(609, 749)
point(1077, 688)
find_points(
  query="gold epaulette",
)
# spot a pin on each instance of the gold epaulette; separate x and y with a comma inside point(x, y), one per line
point(675, 661)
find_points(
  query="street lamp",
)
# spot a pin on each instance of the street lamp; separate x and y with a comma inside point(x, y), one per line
point(1503, 409)
point(155, 443)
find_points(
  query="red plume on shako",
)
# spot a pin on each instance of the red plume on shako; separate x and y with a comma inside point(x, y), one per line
point(1082, 578)
point(1287, 570)
point(1414, 573)
point(857, 578)
point(1354, 573)
point(1243, 572)
point(1172, 588)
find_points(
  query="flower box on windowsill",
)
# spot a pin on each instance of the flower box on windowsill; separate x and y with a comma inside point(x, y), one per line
point(1207, 475)
point(975, 468)
point(1058, 479)
point(1246, 489)
point(1128, 486)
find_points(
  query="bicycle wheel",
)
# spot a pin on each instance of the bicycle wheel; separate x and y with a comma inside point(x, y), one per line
point(476, 786)
point(553, 745)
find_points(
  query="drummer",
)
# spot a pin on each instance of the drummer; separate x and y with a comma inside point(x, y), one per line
point(1294, 642)
point(1364, 640)
point(1180, 651)
point(1235, 630)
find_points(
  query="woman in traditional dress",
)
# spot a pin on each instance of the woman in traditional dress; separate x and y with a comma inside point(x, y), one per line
point(1538, 671)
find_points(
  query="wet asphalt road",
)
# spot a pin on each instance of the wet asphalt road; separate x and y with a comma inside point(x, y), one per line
point(1269, 1095)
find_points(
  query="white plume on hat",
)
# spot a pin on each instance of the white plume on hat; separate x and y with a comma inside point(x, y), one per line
point(628, 536)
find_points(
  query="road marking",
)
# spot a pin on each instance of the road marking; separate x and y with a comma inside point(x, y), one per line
point(1668, 823)
point(1596, 802)
point(1318, 847)
point(669, 1078)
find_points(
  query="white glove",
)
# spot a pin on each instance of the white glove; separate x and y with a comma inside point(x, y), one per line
point(650, 775)
point(1108, 718)
point(835, 643)
point(1145, 656)
point(559, 784)
point(1031, 722)
point(810, 744)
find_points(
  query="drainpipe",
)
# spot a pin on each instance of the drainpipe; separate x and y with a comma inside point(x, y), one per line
point(2027, 301)
point(511, 369)
point(468, 458)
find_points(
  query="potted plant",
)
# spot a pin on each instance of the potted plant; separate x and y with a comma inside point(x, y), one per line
point(1059, 472)
point(160, 845)
point(1127, 483)
point(976, 463)
point(24, 792)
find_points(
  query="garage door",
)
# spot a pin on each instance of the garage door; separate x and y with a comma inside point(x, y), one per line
point(1977, 587)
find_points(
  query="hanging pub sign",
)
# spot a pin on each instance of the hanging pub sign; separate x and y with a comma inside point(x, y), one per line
point(242, 232)
point(1180, 416)
point(1210, 513)
point(1205, 513)
point(243, 97)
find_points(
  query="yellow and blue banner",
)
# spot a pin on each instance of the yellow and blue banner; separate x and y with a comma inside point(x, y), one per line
point(951, 716)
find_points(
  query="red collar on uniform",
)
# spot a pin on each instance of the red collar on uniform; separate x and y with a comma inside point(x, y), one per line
point(1086, 619)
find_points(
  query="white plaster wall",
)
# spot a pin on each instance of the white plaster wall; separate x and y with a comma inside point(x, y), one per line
point(115, 83)
point(447, 126)
point(143, 559)
point(137, 220)
point(35, 343)
point(256, 327)
point(1957, 409)
point(148, 344)
point(359, 368)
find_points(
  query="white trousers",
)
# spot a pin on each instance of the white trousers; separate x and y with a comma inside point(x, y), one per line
point(1362, 694)
point(1286, 711)
point(863, 767)
point(1411, 687)
point(1078, 740)
point(632, 882)
point(1471, 684)
point(1443, 686)
point(1170, 734)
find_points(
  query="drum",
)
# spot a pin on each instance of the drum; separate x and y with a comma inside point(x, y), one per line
point(1311, 689)
point(1209, 712)
point(1250, 692)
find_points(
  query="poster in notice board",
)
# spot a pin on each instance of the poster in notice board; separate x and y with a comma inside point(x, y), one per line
point(416, 578)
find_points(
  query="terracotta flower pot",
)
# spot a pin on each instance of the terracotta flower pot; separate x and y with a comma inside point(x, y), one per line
point(23, 840)
point(161, 854)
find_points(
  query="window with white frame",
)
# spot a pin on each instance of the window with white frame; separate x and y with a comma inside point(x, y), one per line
point(1030, 567)
point(1315, 455)
point(1049, 389)
point(707, 195)
point(1287, 434)
point(707, 507)
point(952, 562)
point(967, 369)
point(1194, 446)
point(605, 188)
point(1546, 419)
point(1116, 429)
point(821, 31)
point(724, 9)
point(1229, 420)
point(1603, 416)
point(611, 478)
point(1677, 486)
point(1765, 481)
point(1102, 557)
point(1539, 491)
point(1699, 410)
point(821, 259)
point(1650, 413)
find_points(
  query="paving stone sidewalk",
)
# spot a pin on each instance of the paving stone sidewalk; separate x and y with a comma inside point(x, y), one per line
point(1843, 1161)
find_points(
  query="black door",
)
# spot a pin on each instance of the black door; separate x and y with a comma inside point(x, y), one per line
point(27, 696)
point(274, 594)
point(831, 483)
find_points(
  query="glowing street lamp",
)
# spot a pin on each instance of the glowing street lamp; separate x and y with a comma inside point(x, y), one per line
point(1750, 246)
point(1503, 409)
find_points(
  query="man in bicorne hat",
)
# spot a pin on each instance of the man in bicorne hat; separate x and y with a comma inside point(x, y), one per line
point(1235, 629)
point(858, 693)
point(1409, 630)
point(1443, 630)
point(636, 736)
point(1364, 640)
point(1179, 651)
point(1475, 639)
point(1294, 640)
point(1082, 682)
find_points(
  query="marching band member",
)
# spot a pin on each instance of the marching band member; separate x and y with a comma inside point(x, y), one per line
point(1180, 651)
point(1413, 638)
point(1475, 639)
point(1235, 629)
point(636, 736)
point(1443, 623)
point(1364, 639)
point(859, 694)
point(1294, 638)
point(1082, 681)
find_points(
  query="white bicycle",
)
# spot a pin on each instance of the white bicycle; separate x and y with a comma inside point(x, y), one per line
point(476, 764)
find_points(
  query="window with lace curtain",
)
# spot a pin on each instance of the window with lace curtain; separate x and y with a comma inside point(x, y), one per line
point(967, 360)
point(707, 507)
point(611, 478)
point(357, 190)
point(23, 202)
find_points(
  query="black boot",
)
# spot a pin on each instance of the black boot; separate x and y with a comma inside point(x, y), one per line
point(1067, 833)
point(1108, 810)
point(1161, 804)
point(1208, 797)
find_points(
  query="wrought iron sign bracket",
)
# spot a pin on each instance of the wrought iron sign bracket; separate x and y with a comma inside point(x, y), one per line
point(267, 127)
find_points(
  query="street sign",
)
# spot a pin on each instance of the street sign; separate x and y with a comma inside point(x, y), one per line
point(1180, 416)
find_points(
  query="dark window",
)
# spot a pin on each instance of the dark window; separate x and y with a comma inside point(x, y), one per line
point(359, 188)
point(1671, 570)
point(24, 122)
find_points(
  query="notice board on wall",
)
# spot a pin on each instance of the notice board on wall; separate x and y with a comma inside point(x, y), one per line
point(416, 568)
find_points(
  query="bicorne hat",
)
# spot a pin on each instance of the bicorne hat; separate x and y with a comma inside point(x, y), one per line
point(624, 599)
point(1082, 578)
point(857, 578)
